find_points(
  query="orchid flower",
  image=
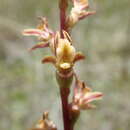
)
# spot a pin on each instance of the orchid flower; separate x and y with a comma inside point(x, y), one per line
point(83, 96)
point(78, 12)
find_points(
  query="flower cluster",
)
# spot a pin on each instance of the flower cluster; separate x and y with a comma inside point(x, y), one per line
point(45, 123)
point(64, 53)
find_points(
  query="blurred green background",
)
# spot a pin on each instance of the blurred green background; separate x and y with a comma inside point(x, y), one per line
point(27, 88)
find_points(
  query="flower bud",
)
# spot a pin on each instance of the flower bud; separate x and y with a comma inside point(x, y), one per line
point(45, 123)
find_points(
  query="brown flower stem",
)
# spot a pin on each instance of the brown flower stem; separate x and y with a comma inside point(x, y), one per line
point(63, 4)
point(64, 99)
point(64, 84)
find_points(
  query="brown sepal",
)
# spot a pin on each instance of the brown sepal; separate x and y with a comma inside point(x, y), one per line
point(39, 45)
point(87, 13)
point(79, 56)
point(49, 59)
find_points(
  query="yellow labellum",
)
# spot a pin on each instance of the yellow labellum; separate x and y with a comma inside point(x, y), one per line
point(65, 65)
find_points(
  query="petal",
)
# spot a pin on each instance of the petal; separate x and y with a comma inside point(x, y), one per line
point(39, 45)
point(65, 52)
point(80, 88)
point(81, 3)
point(67, 36)
point(49, 59)
point(35, 32)
point(85, 14)
point(92, 96)
point(78, 56)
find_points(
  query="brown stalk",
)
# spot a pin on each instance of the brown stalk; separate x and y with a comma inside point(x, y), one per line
point(65, 82)
point(64, 85)
point(63, 4)
point(64, 99)
point(64, 88)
